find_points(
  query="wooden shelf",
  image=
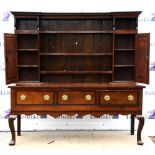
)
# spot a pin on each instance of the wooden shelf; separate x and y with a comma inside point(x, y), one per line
point(28, 82)
point(26, 31)
point(132, 49)
point(124, 66)
point(75, 72)
point(76, 54)
point(125, 31)
point(27, 49)
point(28, 66)
point(57, 32)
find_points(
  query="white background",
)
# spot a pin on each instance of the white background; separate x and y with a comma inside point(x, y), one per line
point(146, 24)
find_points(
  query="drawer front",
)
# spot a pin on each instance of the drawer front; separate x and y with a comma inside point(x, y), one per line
point(34, 97)
point(118, 97)
point(76, 98)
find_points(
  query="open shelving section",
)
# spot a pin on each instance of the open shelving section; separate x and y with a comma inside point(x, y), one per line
point(84, 48)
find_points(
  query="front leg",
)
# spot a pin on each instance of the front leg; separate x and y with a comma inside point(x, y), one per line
point(140, 127)
point(12, 129)
point(132, 124)
point(19, 125)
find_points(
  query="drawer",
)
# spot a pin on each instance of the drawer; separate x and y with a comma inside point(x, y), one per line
point(34, 97)
point(118, 97)
point(76, 98)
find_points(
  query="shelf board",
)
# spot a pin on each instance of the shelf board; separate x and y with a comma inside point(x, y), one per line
point(28, 82)
point(125, 31)
point(130, 82)
point(125, 49)
point(75, 72)
point(124, 66)
point(26, 31)
point(27, 66)
point(93, 31)
point(33, 49)
point(76, 54)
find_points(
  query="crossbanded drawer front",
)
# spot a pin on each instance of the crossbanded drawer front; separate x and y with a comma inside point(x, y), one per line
point(118, 97)
point(76, 98)
point(34, 97)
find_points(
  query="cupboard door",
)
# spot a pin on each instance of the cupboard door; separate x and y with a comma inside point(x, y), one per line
point(10, 58)
point(142, 58)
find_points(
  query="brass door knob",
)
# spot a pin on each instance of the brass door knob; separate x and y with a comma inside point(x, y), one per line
point(107, 98)
point(130, 97)
point(46, 97)
point(88, 97)
point(64, 97)
point(22, 97)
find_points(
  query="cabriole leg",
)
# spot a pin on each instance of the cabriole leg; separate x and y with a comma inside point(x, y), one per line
point(140, 127)
point(12, 129)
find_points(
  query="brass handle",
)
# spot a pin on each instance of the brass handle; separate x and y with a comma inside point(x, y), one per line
point(107, 97)
point(22, 97)
point(64, 97)
point(130, 97)
point(46, 97)
point(88, 97)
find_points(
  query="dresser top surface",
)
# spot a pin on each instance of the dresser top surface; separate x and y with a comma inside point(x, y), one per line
point(79, 85)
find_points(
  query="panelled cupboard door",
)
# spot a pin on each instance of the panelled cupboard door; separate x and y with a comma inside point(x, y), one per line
point(142, 58)
point(10, 58)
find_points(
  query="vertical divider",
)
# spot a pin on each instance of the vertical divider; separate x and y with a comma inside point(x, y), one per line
point(38, 46)
point(135, 37)
point(113, 51)
point(15, 23)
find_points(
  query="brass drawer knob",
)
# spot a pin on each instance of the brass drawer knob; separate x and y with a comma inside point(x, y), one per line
point(88, 97)
point(46, 97)
point(22, 97)
point(107, 97)
point(64, 97)
point(130, 97)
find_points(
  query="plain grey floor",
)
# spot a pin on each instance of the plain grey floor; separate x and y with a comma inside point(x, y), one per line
point(75, 142)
